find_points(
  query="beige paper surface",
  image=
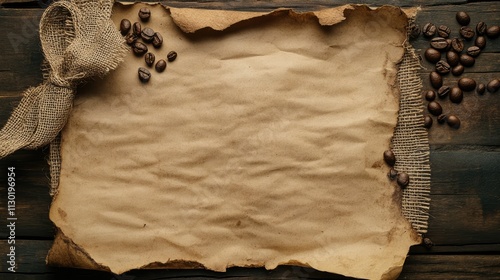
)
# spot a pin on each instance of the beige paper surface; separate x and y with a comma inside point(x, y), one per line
point(260, 145)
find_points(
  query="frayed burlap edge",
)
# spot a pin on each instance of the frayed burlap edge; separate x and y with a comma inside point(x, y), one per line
point(410, 144)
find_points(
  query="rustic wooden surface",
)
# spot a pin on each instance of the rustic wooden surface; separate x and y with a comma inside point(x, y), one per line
point(465, 212)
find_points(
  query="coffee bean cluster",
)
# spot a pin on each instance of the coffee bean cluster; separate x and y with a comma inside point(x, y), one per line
point(138, 37)
point(453, 55)
point(401, 178)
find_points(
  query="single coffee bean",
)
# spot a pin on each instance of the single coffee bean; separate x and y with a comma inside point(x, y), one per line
point(429, 30)
point(403, 179)
point(171, 56)
point(144, 74)
point(467, 84)
point(467, 60)
point(444, 31)
point(428, 121)
point(443, 91)
point(144, 14)
point(452, 58)
point(430, 95)
point(436, 80)
point(493, 85)
point(467, 32)
point(393, 173)
point(389, 158)
point(480, 42)
point(457, 45)
point(462, 18)
point(131, 38)
point(161, 65)
point(457, 70)
point(434, 108)
point(432, 55)
point(439, 43)
point(136, 29)
point(125, 26)
point(427, 243)
point(453, 121)
point(442, 118)
point(481, 88)
point(150, 59)
point(157, 40)
point(481, 28)
point(456, 95)
point(493, 31)
point(139, 48)
point(414, 30)
point(474, 51)
point(147, 34)
point(442, 67)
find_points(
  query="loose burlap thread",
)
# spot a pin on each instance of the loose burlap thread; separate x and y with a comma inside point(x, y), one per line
point(79, 42)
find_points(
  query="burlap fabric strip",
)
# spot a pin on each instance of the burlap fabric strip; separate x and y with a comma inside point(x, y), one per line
point(79, 42)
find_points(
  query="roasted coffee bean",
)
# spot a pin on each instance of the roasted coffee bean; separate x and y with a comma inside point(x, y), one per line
point(481, 88)
point(157, 40)
point(125, 26)
point(403, 179)
point(452, 58)
point(434, 108)
point(428, 121)
point(429, 30)
point(457, 70)
point(171, 56)
point(427, 243)
point(448, 41)
point(444, 31)
point(389, 158)
point(150, 59)
point(430, 95)
point(131, 38)
point(474, 51)
point(453, 121)
point(436, 80)
point(457, 45)
point(493, 85)
point(456, 95)
point(139, 48)
point(432, 55)
point(144, 14)
point(480, 42)
point(493, 31)
point(467, 32)
point(393, 173)
point(467, 60)
point(439, 43)
point(443, 91)
point(414, 30)
point(467, 84)
point(147, 34)
point(442, 118)
point(462, 18)
point(481, 28)
point(442, 67)
point(161, 65)
point(144, 74)
point(136, 29)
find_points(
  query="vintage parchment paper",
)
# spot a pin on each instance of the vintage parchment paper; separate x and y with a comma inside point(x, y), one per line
point(260, 145)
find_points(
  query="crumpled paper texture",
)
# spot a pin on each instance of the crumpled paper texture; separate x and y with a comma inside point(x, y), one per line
point(260, 145)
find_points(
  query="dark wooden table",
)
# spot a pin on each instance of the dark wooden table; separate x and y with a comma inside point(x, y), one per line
point(464, 219)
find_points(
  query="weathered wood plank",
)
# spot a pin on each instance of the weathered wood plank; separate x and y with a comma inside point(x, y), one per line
point(31, 265)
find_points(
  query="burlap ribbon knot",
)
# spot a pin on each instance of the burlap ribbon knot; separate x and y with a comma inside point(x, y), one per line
point(79, 41)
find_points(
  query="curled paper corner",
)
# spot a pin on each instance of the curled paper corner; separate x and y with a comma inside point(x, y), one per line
point(65, 253)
